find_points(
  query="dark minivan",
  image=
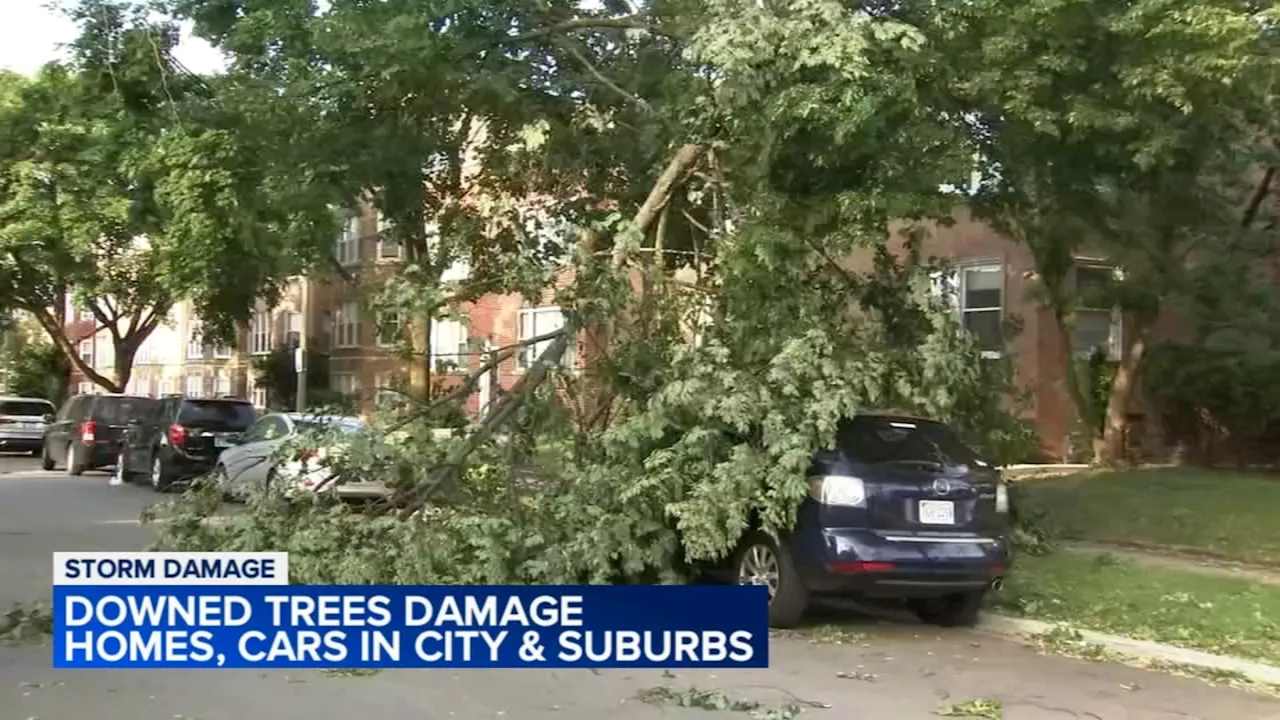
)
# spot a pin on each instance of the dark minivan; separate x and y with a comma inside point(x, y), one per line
point(181, 438)
point(87, 430)
point(900, 509)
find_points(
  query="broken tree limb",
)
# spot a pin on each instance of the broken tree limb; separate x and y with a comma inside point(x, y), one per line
point(658, 198)
point(444, 477)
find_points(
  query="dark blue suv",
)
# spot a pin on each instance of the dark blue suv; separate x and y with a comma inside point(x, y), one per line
point(900, 509)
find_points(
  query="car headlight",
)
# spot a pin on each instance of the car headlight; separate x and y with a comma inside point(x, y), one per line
point(1002, 498)
point(838, 490)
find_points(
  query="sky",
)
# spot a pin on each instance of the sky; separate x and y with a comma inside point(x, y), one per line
point(33, 34)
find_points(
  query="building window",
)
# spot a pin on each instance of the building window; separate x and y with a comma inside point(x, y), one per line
point(449, 344)
point(168, 386)
point(86, 352)
point(195, 386)
point(294, 338)
point(195, 342)
point(260, 333)
point(346, 326)
point(258, 397)
point(345, 383)
point(347, 249)
point(388, 248)
point(1096, 327)
point(390, 329)
point(540, 321)
point(222, 385)
point(387, 390)
point(86, 388)
point(104, 354)
point(976, 291)
point(86, 315)
point(221, 352)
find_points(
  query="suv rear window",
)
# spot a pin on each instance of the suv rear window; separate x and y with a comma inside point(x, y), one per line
point(876, 439)
point(217, 413)
point(29, 408)
point(119, 410)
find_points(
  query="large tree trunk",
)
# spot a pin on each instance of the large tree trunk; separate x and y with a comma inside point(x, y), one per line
point(1111, 448)
point(420, 365)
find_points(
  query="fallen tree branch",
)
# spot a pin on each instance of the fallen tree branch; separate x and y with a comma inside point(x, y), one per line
point(445, 476)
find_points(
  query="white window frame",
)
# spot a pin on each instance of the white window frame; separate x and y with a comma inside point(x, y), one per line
point(86, 388)
point(293, 333)
point(952, 287)
point(384, 242)
point(104, 354)
point(1115, 340)
point(345, 383)
point(222, 385)
point(530, 353)
point(346, 325)
point(347, 247)
point(195, 341)
point(85, 351)
point(450, 344)
point(222, 352)
point(168, 386)
point(390, 330)
point(193, 386)
point(260, 333)
point(258, 396)
point(385, 392)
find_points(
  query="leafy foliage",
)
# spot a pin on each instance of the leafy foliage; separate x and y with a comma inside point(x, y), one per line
point(32, 366)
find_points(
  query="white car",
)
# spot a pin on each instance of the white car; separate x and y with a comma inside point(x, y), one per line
point(23, 422)
point(254, 461)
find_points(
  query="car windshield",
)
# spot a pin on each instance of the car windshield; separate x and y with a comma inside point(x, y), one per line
point(879, 440)
point(217, 413)
point(121, 410)
point(26, 408)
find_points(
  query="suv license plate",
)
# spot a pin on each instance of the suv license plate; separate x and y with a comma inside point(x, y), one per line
point(937, 512)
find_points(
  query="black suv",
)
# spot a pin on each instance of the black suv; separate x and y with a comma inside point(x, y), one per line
point(181, 438)
point(87, 431)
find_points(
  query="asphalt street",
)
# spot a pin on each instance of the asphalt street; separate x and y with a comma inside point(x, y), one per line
point(894, 671)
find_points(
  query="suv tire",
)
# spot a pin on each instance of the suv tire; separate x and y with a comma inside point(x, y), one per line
point(46, 463)
point(160, 478)
point(760, 561)
point(75, 467)
point(956, 610)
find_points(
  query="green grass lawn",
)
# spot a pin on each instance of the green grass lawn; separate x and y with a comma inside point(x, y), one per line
point(1177, 607)
point(1229, 515)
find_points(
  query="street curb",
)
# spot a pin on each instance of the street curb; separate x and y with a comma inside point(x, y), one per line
point(1021, 630)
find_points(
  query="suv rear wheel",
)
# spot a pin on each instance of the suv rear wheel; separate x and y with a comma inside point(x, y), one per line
point(74, 465)
point(759, 561)
point(159, 478)
point(46, 463)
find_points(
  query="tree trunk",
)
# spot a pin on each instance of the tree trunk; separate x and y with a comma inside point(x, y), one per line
point(1110, 450)
point(420, 366)
point(125, 349)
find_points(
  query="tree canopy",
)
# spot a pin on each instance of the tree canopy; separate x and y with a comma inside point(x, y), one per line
point(130, 184)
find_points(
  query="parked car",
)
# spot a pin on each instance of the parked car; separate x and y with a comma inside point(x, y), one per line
point(181, 438)
point(256, 460)
point(22, 423)
point(900, 509)
point(87, 430)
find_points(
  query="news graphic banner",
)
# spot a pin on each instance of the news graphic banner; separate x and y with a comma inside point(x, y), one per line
point(237, 610)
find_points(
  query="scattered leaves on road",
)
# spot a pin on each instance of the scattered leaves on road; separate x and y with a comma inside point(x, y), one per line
point(351, 672)
point(979, 709)
point(27, 623)
point(856, 675)
point(824, 635)
point(716, 700)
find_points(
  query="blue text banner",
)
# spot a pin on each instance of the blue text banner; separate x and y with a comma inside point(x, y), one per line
point(248, 626)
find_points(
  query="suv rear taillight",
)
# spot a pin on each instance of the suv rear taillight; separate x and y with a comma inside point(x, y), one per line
point(177, 435)
point(88, 431)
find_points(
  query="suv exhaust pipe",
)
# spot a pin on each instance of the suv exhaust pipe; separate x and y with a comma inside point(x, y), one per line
point(997, 585)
